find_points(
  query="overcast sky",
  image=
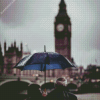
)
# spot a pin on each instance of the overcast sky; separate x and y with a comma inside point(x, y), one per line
point(32, 22)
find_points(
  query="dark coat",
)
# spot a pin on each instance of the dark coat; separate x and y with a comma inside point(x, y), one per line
point(60, 94)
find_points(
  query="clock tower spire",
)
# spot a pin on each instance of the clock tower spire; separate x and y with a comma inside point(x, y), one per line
point(62, 7)
point(62, 31)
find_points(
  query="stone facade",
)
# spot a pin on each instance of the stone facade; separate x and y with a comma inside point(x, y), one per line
point(11, 57)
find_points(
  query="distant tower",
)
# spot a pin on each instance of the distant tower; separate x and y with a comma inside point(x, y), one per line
point(21, 47)
point(1, 60)
point(15, 44)
point(62, 32)
point(4, 47)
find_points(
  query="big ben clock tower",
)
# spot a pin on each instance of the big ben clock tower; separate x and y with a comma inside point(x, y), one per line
point(62, 32)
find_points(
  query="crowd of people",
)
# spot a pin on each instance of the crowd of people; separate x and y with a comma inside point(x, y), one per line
point(58, 93)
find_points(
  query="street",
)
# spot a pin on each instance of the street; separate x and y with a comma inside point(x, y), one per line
point(88, 96)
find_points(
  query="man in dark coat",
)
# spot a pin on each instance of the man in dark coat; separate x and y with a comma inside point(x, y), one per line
point(60, 92)
point(34, 92)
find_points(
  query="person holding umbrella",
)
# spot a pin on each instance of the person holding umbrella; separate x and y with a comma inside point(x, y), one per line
point(45, 61)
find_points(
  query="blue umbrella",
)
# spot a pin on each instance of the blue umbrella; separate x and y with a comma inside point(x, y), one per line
point(44, 61)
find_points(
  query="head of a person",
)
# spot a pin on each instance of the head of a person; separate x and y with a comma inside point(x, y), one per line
point(33, 90)
point(61, 83)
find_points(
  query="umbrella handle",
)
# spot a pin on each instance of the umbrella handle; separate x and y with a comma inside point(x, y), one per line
point(44, 66)
point(45, 73)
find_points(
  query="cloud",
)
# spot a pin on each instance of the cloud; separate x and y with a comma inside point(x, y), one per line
point(14, 14)
point(87, 57)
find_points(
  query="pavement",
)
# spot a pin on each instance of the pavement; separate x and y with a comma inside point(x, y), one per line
point(88, 96)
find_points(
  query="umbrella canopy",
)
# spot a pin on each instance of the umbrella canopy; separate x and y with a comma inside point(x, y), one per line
point(44, 61)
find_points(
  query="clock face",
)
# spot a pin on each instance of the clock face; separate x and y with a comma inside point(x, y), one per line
point(60, 27)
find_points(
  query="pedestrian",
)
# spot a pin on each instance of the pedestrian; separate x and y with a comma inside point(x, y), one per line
point(60, 92)
point(34, 92)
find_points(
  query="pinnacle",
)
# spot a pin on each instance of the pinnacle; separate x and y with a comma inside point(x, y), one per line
point(62, 3)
